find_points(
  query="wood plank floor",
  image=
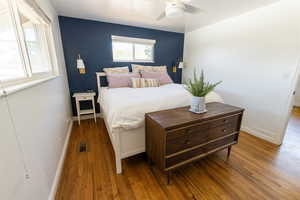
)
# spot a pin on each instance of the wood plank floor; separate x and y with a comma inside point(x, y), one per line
point(256, 170)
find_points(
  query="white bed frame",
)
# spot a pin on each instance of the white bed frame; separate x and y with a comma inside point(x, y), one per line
point(125, 143)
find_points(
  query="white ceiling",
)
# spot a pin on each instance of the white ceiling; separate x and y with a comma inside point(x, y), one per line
point(143, 13)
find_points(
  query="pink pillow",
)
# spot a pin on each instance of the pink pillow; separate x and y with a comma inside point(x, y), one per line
point(163, 77)
point(120, 80)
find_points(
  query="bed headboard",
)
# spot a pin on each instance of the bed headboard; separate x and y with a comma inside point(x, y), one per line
point(99, 75)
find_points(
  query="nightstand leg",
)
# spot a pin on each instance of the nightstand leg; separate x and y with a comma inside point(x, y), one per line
point(78, 111)
point(228, 152)
point(93, 101)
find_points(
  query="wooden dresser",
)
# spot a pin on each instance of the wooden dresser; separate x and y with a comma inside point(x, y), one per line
point(176, 137)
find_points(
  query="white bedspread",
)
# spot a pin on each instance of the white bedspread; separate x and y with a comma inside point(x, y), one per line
point(126, 107)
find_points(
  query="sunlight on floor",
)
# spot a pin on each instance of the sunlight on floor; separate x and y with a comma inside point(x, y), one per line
point(288, 154)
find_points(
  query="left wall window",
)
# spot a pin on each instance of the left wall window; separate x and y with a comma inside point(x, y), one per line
point(12, 66)
point(25, 47)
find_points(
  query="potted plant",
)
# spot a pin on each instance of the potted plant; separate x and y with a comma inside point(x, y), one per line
point(199, 89)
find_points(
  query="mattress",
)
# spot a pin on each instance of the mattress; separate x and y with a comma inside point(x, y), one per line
point(126, 107)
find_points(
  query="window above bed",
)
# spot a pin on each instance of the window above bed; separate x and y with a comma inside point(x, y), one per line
point(128, 49)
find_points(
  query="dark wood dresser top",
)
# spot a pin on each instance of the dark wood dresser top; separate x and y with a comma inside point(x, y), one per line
point(173, 118)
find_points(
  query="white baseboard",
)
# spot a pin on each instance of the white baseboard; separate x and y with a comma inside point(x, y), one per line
point(61, 163)
point(90, 116)
point(263, 134)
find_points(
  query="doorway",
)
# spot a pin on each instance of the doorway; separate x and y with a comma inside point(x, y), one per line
point(292, 133)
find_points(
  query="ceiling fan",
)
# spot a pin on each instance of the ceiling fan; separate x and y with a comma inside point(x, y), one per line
point(176, 8)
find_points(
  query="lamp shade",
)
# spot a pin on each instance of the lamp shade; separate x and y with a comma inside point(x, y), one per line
point(181, 65)
point(80, 63)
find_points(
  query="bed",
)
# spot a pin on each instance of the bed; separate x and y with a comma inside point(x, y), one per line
point(123, 111)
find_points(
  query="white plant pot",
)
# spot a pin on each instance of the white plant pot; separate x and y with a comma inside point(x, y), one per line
point(198, 105)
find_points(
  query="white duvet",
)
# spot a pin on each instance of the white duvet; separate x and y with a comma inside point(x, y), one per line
point(126, 107)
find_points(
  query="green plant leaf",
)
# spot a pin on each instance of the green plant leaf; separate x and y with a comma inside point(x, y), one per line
point(198, 87)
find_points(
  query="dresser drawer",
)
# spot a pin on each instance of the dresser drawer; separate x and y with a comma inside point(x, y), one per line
point(192, 136)
point(83, 98)
point(222, 130)
point(186, 140)
point(226, 120)
point(201, 150)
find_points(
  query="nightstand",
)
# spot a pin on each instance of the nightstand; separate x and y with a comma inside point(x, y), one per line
point(85, 96)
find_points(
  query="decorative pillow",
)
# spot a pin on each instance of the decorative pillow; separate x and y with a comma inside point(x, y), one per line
point(142, 82)
point(117, 70)
point(162, 77)
point(139, 68)
point(120, 80)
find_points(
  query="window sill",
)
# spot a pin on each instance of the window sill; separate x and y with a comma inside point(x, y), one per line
point(132, 61)
point(28, 84)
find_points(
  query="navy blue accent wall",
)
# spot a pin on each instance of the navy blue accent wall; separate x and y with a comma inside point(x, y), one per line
point(92, 40)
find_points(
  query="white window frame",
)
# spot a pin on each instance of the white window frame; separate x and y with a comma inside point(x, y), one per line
point(133, 41)
point(20, 37)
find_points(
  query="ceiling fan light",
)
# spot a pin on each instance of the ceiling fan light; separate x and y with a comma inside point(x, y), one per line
point(186, 1)
point(174, 12)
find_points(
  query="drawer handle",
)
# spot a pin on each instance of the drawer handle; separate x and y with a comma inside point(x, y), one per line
point(190, 131)
point(224, 130)
point(187, 142)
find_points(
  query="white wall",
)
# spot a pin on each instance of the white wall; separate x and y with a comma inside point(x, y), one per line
point(12, 173)
point(297, 95)
point(41, 115)
point(256, 55)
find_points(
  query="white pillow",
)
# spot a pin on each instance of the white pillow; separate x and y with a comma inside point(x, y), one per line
point(118, 70)
point(139, 68)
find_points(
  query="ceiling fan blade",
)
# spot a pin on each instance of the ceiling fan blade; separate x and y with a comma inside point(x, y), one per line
point(161, 16)
point(192, 9)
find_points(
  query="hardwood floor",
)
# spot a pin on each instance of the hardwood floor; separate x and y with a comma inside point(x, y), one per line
point(256, 170)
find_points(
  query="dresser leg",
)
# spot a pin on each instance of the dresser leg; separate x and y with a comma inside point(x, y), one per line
point(150, 162)
point(228, 152)
point(169, 177)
